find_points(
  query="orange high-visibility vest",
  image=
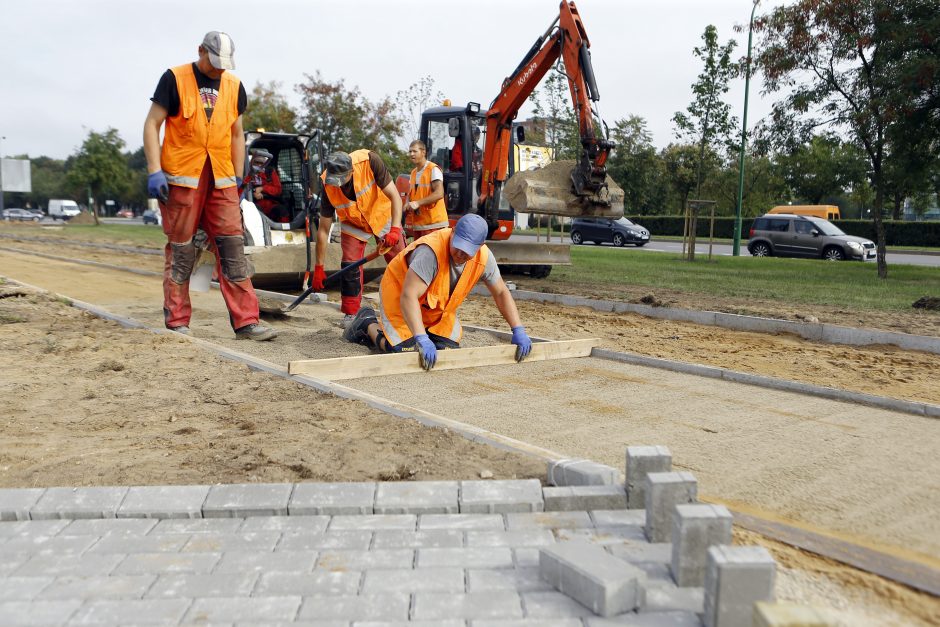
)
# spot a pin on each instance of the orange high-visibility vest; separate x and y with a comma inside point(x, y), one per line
point(438, 304)
point(189, 137)
point(371, 212)
point(427, 217)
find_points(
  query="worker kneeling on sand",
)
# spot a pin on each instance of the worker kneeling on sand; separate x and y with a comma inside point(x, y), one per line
point(422, 289)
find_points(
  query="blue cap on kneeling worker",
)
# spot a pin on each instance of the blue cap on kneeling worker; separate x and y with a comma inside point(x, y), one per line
point(469, 233)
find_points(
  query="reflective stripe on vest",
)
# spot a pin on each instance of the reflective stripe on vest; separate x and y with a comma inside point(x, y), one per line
point(371, 212)
point(438, 304)
point(427, 216)
point(189, 137)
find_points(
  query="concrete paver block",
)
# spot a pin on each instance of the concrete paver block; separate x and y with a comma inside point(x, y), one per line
point(163, 543)
point(641, 461)
point(369, 522)
point(22, 588)
point(694, 529)
point(665, 490)
point(424, 539)
point(665, 596)
point(247, 610)
point(461, 521)
point(42, 545)
point(365, 560)
point(183, 501)
point(517, 538)
point(603, 535)
point(593, 577)
point(38, 613)
point(318, 583)
point(584, 498)
point(651, 619)
point(222, 542)
point(417, 497)
point(135, 611)
point(549, 520)
point(135, 527)
point(198, 525)
point(656, 552)
point(525, 579)
point(360, 540)
point(526, 557)
point(553, 605)
point(736, 578)
point(69, 565)
point(789, 615)
point(443, 605)
point(247, 499)
point(16, 503)
point(500, 497)
point(286, 524)
point(619, 518)
point(484, 557)
point(409, 623)
point(189, 585)
point(445, 579)
point(277, 562)
point(71, 503)
point(158, 563)
point(98, 587)
point(332, 498)
point(530, 622)
point(581, 472)
point(386, 607)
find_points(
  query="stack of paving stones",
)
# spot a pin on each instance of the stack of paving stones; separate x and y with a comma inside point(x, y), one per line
point(467, 553)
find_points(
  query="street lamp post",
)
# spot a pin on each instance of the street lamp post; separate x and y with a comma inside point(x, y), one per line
point(736, 247)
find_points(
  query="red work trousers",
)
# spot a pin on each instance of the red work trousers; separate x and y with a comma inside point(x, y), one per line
point(216, 212)
point(351, 284)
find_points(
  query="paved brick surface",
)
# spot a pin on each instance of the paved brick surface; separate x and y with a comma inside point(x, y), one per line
point(15, 504)
point(164, 502)
point(78, 503)
point(417, 497)
point(253, 499)
point(499, 497)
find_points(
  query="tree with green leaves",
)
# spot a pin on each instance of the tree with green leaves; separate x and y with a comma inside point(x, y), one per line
point(268, 109)
point(412, 102)
point(636, 166)
point(824, 167)
point(555, 119)
point(100, 167)
point(685, 167)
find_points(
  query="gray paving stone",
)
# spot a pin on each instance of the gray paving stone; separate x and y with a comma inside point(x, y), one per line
point(548, 520)
point(525, 557)
point(11, 562)
point(134, 611)
point(71, 503)
point(23, 588)
point(461, 521)
point(530, 622)
point(34, 527)
point(663, 596)
point(190, 585)
point(581, 472)
point(247, 499)
point(584, 498)
point(276, 562)
point(618, 518)
point(182, 501)
point(124, 543)
point(159, 563)
point(603, 535)
point(316, 584)
point(332, 498)
point(414, 580)
point(39, 613)
point(490, 557)
point(588, 574)
point(387, 607)
point(694, 529)
point(431, 538)
point(665, 490)
point(659, 552)
point(653, 619)
point(526, 579)
point(250, 610)
point(16, 503)
point(443, 605)
point(361, 540)
point(374, 522)
point(68, 565)
point(41, 545)
point(365, 560)
point(552, 604)
point(655, 571)
point(500, 497)
point(411, 623)
point(8, 528)
point(99, 587)
point(417, 497)
point(220, 543)
point(198, 525)
point(640, 461)
point(286, 524)
point(136, 527)
point(736, 578)
point(517, 538)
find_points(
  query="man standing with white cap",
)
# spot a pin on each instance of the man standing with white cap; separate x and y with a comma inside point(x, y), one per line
point(196, 175)
point(423, 287)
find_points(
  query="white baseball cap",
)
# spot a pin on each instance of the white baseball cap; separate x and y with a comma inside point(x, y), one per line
point(221, 49)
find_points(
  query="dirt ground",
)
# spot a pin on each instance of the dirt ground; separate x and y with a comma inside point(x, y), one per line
point(89, 403)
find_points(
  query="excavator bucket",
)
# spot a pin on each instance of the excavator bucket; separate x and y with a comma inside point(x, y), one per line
point(548, 190)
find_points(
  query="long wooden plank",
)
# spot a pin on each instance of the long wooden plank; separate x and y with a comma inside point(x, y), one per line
point(337, 368)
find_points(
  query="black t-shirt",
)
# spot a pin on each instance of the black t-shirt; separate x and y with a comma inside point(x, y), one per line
point(382, 179)
point(168, 97)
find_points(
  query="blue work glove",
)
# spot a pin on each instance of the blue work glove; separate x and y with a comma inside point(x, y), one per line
point(522, 342)
point(157, 186)
point(238, 182)
point(427, 352)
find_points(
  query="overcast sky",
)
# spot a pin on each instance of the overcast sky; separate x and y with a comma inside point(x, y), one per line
point(70, 66)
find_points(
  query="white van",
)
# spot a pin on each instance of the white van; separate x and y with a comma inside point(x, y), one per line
point(63, 209)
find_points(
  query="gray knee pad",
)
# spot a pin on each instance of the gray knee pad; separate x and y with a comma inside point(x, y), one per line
point(182, 260)
point(232, 257)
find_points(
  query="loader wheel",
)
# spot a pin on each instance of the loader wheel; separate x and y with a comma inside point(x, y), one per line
point(576, 237)
point(540, 272)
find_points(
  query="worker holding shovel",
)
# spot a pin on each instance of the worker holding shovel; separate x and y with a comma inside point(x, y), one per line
point(422, 289)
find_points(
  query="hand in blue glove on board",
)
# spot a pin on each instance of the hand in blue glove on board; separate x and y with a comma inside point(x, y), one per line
point(427, 352)
point(522, 342)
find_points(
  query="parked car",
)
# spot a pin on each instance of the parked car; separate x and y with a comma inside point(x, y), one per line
point(26, 215)
point(125, 213)
point(151, 217)
point(619, 232)
point(785, 235)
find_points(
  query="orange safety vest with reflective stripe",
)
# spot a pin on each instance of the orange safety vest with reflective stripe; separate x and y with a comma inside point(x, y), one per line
point(438, 304)
point(427, 217)
point(190, 137)
point(371, 212)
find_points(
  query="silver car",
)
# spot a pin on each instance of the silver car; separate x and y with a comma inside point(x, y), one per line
point(787, 235)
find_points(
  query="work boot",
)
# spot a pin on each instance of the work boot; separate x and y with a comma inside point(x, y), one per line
point(256, 332)
point(357, 331)
point(182, 329)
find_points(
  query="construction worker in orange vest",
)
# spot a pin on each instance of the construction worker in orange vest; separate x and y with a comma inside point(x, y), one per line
point(196, 176)
point(425, 205)
point(422, 289)
point(358, 190)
